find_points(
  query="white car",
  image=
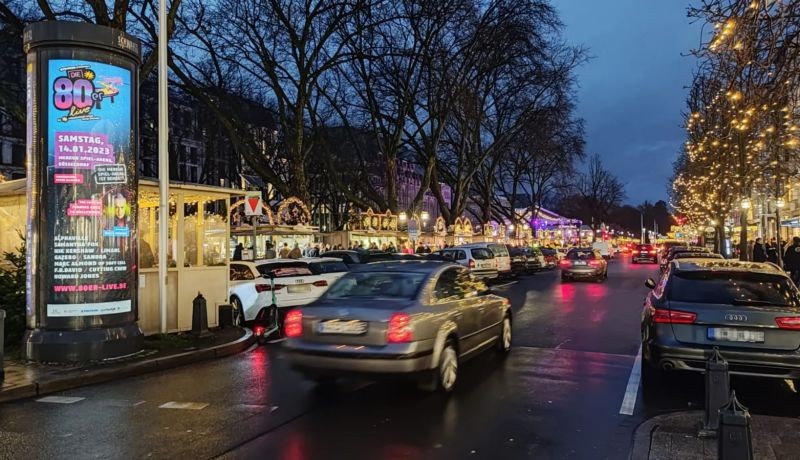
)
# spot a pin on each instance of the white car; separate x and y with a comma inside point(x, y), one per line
point(294, 284)
point(501, 256)
point(479, 261)
point(604, 248)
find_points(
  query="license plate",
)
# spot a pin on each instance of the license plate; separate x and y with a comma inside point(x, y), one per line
point(336, 326)
point(580, 263)
point(301, 288)
point(728, 334)
point(644, 252)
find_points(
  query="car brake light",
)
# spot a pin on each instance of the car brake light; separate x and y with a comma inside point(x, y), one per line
point(673, 316)
point(293, 324)
point(594, 263)
point(471, 263)
point(399, 330)
point(258, 331)
point(653, 251)
point(789, 322)
point(267, 287)
point(320, 283)
point(565, 263)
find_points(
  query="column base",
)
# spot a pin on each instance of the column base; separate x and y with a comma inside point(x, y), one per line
point(80, 346)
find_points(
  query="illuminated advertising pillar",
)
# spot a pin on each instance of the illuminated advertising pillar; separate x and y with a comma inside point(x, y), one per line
point(82, 147)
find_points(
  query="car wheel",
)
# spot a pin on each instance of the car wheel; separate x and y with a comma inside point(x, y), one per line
point(238, 312)
point(446, 373)
point(504, 341)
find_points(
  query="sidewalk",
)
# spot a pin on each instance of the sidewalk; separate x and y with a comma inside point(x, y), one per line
point(674, 435)
point(24, 380)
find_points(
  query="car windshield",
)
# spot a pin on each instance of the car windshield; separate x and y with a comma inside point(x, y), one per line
point(284, 270)
point(395, 285)
point(328, 267)
point(482, 254)
point(580, 255)
point(737, 288)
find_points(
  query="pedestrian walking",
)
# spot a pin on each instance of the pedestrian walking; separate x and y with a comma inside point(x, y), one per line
point(772, 251)
point(269, 252)
point(759, 251)
point(791, 259)
point(750, 249)
point(237, 251)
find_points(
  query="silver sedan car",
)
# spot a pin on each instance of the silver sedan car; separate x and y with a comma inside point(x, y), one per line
point(418, 319)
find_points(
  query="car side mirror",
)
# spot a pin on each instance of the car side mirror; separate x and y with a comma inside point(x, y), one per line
point(650, 283)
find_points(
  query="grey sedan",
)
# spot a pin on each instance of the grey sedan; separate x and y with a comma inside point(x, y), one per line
point(418, 319)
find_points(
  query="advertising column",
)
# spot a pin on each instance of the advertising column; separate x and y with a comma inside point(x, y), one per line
point(82, 192)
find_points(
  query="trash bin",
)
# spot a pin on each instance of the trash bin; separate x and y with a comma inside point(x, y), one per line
point(2, 341)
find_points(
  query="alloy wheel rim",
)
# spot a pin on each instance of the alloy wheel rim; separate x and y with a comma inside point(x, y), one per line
point(449, 368)
point(506, 334)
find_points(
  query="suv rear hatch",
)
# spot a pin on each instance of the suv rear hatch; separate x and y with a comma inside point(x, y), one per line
point(735, 309)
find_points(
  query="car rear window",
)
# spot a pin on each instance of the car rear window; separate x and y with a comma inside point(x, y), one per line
point(328, 267)
point(499, 250)
point(482, 254)
point(644, 247)
point(696, 255)
point(285, 270)
point(395, 285)
point(580, 255)
point(732, 288)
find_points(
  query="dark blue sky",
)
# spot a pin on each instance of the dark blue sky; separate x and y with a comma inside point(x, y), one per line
point(632, 92)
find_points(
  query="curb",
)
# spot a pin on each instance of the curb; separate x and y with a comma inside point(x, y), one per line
point(642, 436)
point(100, 375)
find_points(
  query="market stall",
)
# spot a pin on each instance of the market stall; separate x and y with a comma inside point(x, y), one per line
point(198, 244)
point(288, 227)
point(368, 230)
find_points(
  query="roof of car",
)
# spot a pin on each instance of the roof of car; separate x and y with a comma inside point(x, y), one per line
point(405, 265)
point(696, 255)
point(321, 259)
point(727, 265)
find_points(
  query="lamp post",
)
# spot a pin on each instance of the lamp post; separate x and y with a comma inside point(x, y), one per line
point(779, 204)
point(745, 206)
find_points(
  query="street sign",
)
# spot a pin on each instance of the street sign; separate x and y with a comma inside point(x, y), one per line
point(252, 204)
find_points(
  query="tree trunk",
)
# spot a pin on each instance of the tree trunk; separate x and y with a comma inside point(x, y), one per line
point(743, 235)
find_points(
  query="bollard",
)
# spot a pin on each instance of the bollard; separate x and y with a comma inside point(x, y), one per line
point(718, 386)
point(225, 315)
point(735, 439)
point(199, 316)
point(2, 341)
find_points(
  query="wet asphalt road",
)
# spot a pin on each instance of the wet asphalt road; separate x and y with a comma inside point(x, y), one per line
point(558, 395)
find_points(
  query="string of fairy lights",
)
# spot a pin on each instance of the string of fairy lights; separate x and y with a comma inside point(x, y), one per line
point(739, 139)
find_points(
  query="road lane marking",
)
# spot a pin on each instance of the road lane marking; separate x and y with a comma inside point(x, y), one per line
point(629, 401)
point(60, 399)
point(183, 405)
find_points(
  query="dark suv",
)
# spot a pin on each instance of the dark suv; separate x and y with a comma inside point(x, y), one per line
point(749, 310)
point(644, 253)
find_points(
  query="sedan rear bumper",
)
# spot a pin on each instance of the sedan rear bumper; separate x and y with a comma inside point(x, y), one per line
point(581, 272)
point(677, 356)
point(340, 360)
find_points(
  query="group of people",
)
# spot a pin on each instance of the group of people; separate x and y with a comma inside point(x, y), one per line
point(759, 251)
point(285, 252)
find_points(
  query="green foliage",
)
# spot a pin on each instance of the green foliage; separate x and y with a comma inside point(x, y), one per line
point(12, 295)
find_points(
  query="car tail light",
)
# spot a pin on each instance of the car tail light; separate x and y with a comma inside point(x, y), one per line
point(789, 322)
point(471, 263)
point(293, 324)
point(258, 331)
point(673, 316)
point(653, 251)
point(565, 263)
point(320, 283)
point(267, 287)
point(399, 330)
point(594, 263)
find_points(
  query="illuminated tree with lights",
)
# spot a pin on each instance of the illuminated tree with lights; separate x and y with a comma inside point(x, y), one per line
point(741, 123)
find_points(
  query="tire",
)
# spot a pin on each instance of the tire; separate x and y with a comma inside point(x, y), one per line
point(238, 312)
point(445, 375)
point(504, 341)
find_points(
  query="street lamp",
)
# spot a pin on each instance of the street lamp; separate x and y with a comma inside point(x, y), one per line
point(779, 203)
point(424, 215)
point(403, 217)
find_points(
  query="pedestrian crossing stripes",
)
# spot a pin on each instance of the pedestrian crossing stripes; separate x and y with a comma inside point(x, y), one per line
point(60, 399)
point(184, 405)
